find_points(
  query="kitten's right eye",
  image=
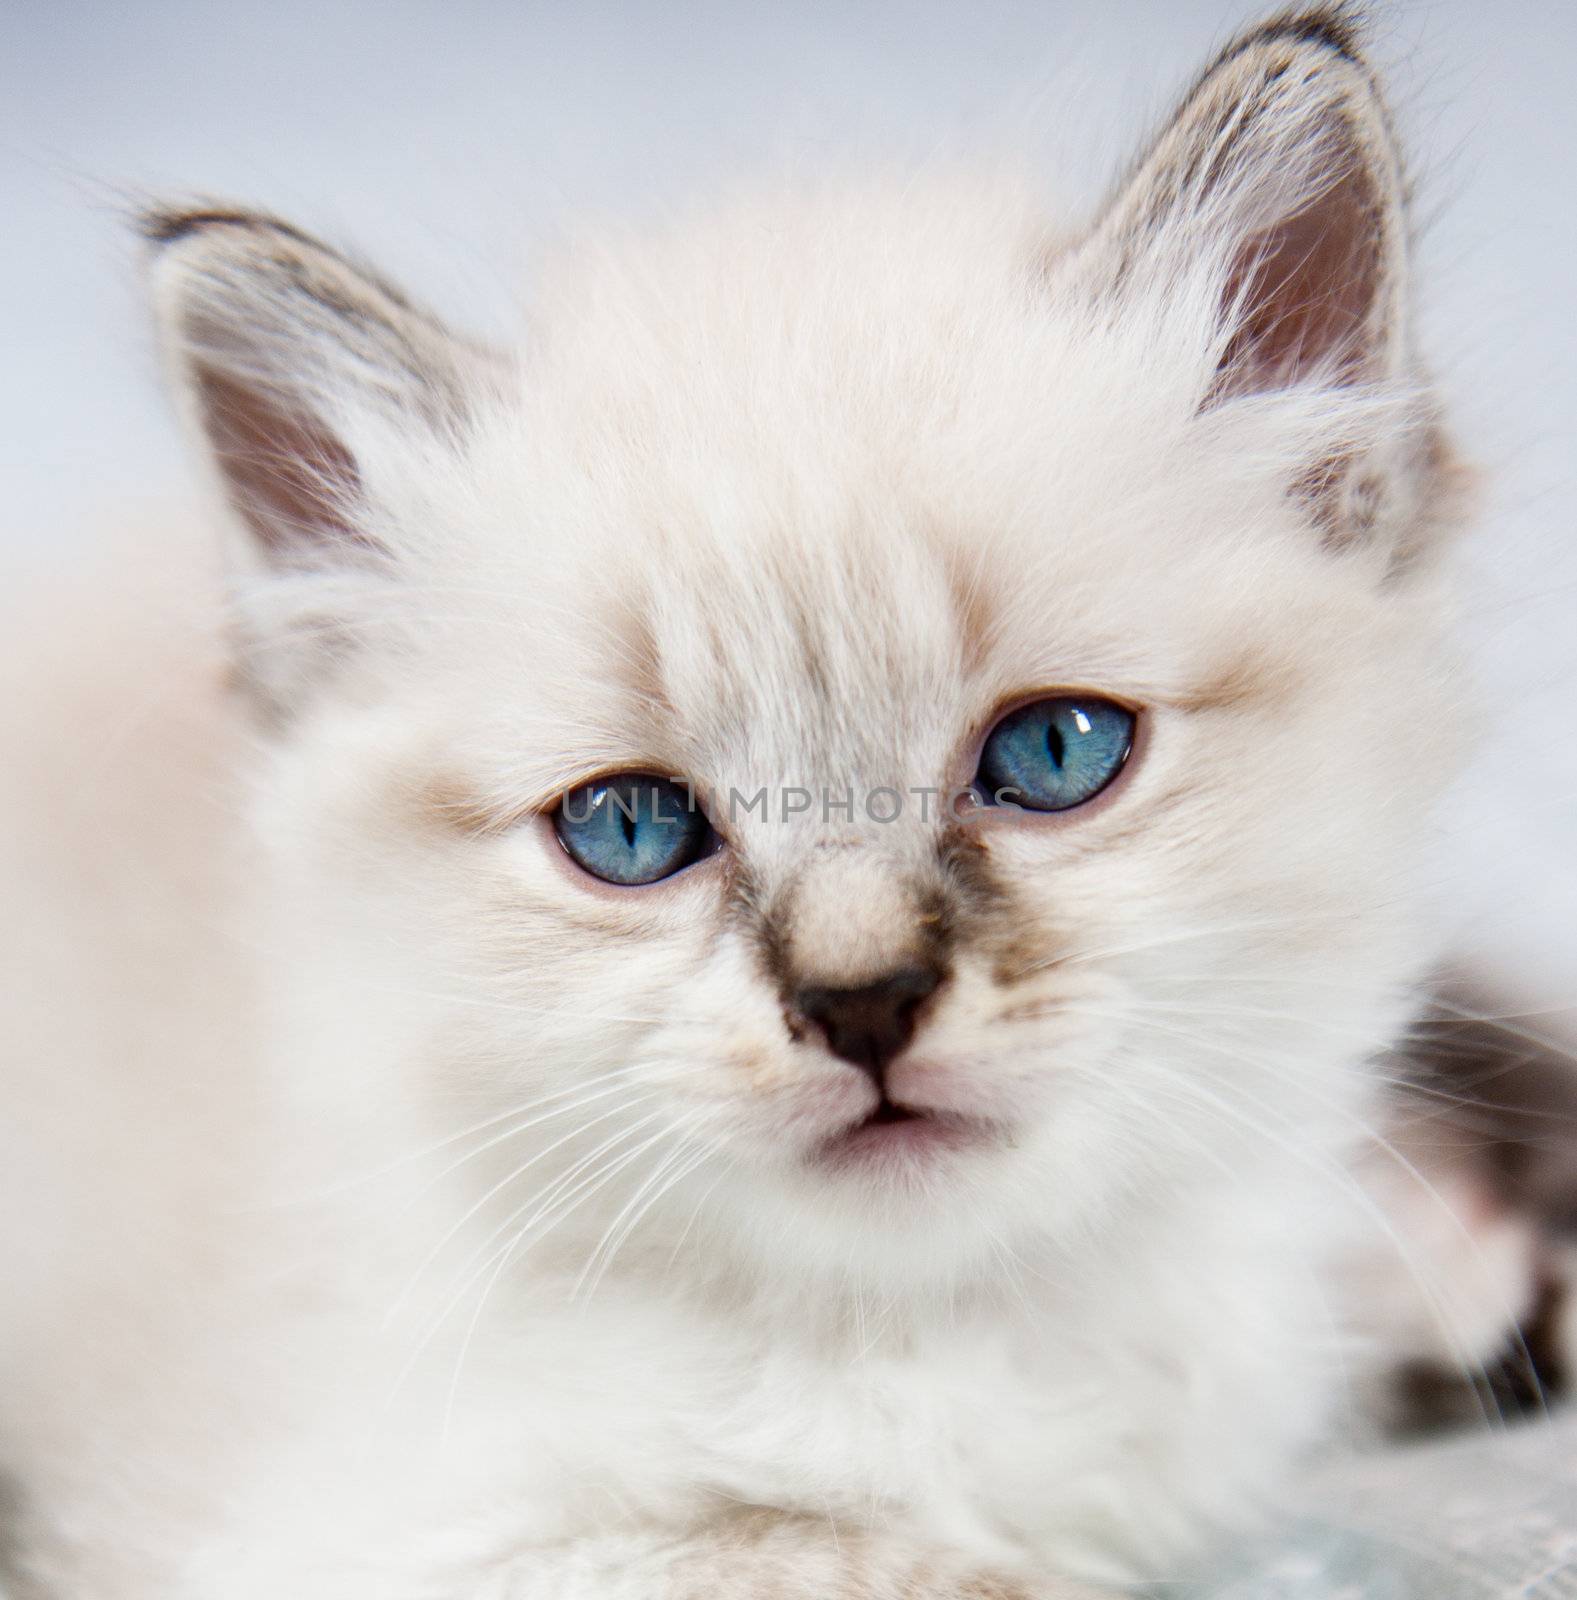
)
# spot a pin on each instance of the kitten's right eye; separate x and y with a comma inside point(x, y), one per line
point(632, 828)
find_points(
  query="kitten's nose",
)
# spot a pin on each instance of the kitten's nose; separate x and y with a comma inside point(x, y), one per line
point(871, 1024)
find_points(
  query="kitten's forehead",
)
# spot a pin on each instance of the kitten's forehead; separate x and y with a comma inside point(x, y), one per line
point(857, 641)
point(846, 632)
point(830, 654)
point(774, 514)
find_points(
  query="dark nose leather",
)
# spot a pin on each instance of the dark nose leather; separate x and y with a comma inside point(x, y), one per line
point(869, 1025)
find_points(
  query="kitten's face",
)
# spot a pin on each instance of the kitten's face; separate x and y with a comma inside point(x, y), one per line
point(1229, 910)
point(809, 510)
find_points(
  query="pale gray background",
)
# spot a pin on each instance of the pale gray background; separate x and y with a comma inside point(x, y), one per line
point(449, 142)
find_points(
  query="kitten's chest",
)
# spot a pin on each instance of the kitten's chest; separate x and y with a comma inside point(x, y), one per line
point(1106, 1433)
point(967, 1436)
point(947, 1435)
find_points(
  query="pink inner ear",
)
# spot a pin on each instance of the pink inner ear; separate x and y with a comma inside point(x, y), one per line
point(288, 476)
point(1308, 287)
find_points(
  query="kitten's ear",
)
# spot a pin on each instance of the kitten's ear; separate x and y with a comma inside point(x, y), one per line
point(291, 359)
point(1278, 184)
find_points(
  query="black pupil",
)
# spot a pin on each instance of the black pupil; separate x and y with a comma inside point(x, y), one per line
point(1055, 743)
point(627, 823)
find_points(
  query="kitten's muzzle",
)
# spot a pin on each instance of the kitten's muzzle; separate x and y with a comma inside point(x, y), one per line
point(868, 1026)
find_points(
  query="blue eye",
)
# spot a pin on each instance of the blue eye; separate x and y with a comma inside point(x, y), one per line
point(631, 828)
point(1055, 754)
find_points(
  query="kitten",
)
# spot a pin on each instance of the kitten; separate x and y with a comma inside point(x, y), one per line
point(826, 846)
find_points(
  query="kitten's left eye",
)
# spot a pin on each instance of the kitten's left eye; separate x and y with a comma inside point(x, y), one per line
point(631, 828)
point(1055, 754)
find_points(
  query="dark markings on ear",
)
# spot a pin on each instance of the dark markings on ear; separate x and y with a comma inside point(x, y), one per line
point(1279, 173)
point(1204, 138)
point(169, 226)
point(308, 380)
point(1338, 27)
point(159, 225)
point(280, 342)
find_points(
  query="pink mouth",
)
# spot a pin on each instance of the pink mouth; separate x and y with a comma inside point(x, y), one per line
point(897, 1133)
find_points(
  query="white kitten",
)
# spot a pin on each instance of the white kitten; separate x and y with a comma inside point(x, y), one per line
point(837, 1202)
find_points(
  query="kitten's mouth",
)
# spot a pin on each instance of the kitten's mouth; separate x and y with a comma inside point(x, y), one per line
point(893, 1132)
point(887, 1113)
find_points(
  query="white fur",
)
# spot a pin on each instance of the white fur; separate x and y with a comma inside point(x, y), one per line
point(862, 464)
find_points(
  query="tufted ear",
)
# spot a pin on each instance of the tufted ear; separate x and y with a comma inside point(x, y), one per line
point(1280, 178)
point(299, 371)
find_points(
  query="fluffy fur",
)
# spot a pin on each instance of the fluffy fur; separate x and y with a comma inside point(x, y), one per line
point(484, 1246)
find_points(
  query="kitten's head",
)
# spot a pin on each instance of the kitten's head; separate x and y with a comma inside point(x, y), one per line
point(852, 513)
